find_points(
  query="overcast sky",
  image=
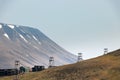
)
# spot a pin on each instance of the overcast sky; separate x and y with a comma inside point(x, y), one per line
point(86, 26)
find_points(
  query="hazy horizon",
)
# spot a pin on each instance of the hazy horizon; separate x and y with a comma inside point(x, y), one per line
point(86, 26)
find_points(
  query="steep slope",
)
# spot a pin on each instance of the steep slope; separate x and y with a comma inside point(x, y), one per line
point(30, 46)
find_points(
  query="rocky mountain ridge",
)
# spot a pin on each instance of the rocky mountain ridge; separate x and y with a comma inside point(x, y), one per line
point(30, 46)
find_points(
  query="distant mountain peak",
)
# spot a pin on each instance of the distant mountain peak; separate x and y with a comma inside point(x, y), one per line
point(30, 46)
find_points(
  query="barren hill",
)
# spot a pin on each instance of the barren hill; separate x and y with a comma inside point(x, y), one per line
point(106, 67)
point(30, 46)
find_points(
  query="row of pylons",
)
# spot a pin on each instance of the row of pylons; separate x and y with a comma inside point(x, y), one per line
point(51, 61)
point(80, 58)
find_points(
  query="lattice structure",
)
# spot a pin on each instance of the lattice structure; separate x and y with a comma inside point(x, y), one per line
point(80, 57)
point(17, 63)
point(105, 50)
point(51, 62)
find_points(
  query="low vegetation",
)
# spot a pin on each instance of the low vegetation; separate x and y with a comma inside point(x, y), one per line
point(106, 67)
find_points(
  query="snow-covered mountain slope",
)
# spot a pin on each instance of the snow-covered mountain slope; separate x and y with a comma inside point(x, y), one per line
point(30, 46)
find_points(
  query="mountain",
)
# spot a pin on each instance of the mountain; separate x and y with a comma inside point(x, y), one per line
point(30, 46)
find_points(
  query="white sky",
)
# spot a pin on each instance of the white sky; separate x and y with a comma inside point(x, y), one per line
point(85, 26)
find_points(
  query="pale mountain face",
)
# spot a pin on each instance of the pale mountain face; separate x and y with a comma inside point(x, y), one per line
point(29, 46)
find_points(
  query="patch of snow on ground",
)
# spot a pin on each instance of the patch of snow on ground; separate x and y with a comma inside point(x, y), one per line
point(11, 26)
point(23, 38)
point(36, 47)
point(6, 35)
point(35, 38)
point(0, 26)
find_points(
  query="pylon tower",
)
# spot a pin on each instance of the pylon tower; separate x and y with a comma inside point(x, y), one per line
point(80, 57)
point(51, 62)
point(17, 63)
point(105, 50)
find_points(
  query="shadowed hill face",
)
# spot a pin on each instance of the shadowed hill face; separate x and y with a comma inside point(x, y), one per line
point(106, 67)
point(30, 46)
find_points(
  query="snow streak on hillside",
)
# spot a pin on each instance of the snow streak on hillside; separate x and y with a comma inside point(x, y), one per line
point(30, 46)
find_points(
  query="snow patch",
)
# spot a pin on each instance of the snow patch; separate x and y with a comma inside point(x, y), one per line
point(36, 47)
point(0, 26)
point(6, 35)
point(23, 38)
point(11, 26)
point(35, 38)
